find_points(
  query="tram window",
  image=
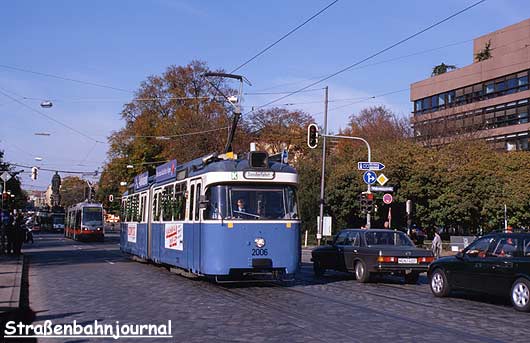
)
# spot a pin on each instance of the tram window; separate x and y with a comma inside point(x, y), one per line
point(197, 202)
point(142, 208)
point(179, 202)
point(153, 210)
point(290, 203)
point(217, 200)
point(77, 219)
point(192, 203)
point(167, 196)
point(128, 211)
point(253, 202)
point(156, 207)
point(122, 210)
point(135, 209)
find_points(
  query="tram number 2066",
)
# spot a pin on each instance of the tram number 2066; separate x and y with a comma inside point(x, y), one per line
point(259, 252)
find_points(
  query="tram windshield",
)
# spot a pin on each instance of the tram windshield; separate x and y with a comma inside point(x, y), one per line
point(58, 218)
point(92, 216)
point(252, 202)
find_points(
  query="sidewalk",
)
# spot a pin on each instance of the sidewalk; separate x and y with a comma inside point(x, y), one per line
point(10, 282)
point(14, 303)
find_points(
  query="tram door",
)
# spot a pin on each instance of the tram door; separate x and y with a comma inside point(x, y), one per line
point(144, 218)
point(195, 196)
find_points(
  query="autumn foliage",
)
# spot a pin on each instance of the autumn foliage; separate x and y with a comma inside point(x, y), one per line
point(462, 186)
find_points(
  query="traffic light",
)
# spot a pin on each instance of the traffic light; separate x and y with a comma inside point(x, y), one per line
point(111, 198)
point(369, 202)
point(363, 201)
point(312, 136)
point(34, 173)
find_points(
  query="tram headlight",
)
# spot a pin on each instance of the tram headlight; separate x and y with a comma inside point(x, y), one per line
point(260, 242)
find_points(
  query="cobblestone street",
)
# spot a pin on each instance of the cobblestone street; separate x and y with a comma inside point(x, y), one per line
point(92, 281)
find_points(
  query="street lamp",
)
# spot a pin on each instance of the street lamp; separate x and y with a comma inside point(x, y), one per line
point(46, 104)
point(42, 134)
point(38, 158)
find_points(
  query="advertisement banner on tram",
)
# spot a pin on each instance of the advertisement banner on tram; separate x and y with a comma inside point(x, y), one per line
point(174, 236)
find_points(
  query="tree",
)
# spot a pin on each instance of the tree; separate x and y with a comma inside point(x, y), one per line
point(485, 53)
point(442, 69)
point(277, 128)
point(160, 122)
point(73, 191)
point(13, 185)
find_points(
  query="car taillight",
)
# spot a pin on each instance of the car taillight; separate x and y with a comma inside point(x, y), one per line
point(386, 259)
point(428, 259)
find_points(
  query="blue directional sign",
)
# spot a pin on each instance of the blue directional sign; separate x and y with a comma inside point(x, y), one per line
point(369, 177)
point(370, 166)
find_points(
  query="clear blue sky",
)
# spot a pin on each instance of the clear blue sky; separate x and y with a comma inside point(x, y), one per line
point(120, 43)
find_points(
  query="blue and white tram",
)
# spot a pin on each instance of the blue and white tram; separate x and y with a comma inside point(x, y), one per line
point(220, 218)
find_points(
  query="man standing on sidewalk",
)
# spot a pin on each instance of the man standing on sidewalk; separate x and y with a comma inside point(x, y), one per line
point(436, 245)
point(20, 234)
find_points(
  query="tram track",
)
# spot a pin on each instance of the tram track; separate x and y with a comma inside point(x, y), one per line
point(369, 311)
point(281, 304)
point(432, 303)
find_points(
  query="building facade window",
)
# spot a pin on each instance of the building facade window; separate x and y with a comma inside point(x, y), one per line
point(485, 90)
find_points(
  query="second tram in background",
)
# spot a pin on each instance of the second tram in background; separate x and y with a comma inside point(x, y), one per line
point(223, 218)
point(84, 221)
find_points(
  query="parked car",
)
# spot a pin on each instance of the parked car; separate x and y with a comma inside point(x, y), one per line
point(373, 251)
point(497, 264)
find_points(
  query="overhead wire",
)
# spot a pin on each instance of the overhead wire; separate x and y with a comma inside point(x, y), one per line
point(65, 78)
point(54, 170)
point(376, 53)
point(182, 134)
point(283, 37)
point(2, 91)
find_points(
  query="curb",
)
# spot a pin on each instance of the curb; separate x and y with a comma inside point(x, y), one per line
point(17, 286)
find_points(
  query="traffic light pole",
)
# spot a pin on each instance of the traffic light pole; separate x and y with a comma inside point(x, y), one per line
point(368, 219)
point(322, 180)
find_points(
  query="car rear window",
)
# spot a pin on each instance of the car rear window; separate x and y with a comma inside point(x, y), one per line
point(387, 238)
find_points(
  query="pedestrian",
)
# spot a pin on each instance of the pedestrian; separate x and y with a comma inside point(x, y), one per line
point(386, 225)
point(436, 245)
point(29, 235)
point(10, 233)
point(19, 233)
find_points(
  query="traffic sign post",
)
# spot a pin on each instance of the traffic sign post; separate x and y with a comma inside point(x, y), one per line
point(370, 166)
point(369, 177)
point(368, 221)
point(382, 179)
point(382, 189)
point(5, 177)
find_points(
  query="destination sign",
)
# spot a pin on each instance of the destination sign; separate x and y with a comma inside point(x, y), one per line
point(258, 175)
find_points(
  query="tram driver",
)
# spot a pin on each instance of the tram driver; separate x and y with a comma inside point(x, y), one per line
point(241, 205)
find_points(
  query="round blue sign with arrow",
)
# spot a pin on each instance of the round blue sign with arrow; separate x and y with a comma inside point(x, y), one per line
point(369, 177)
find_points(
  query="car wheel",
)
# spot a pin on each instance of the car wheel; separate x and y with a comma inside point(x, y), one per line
point(412, 278)
point(317, 269)
point(361, 274)
point(520, 295)
point(439, 285)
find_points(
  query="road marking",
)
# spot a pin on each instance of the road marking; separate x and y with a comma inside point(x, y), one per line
point(109, 262)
